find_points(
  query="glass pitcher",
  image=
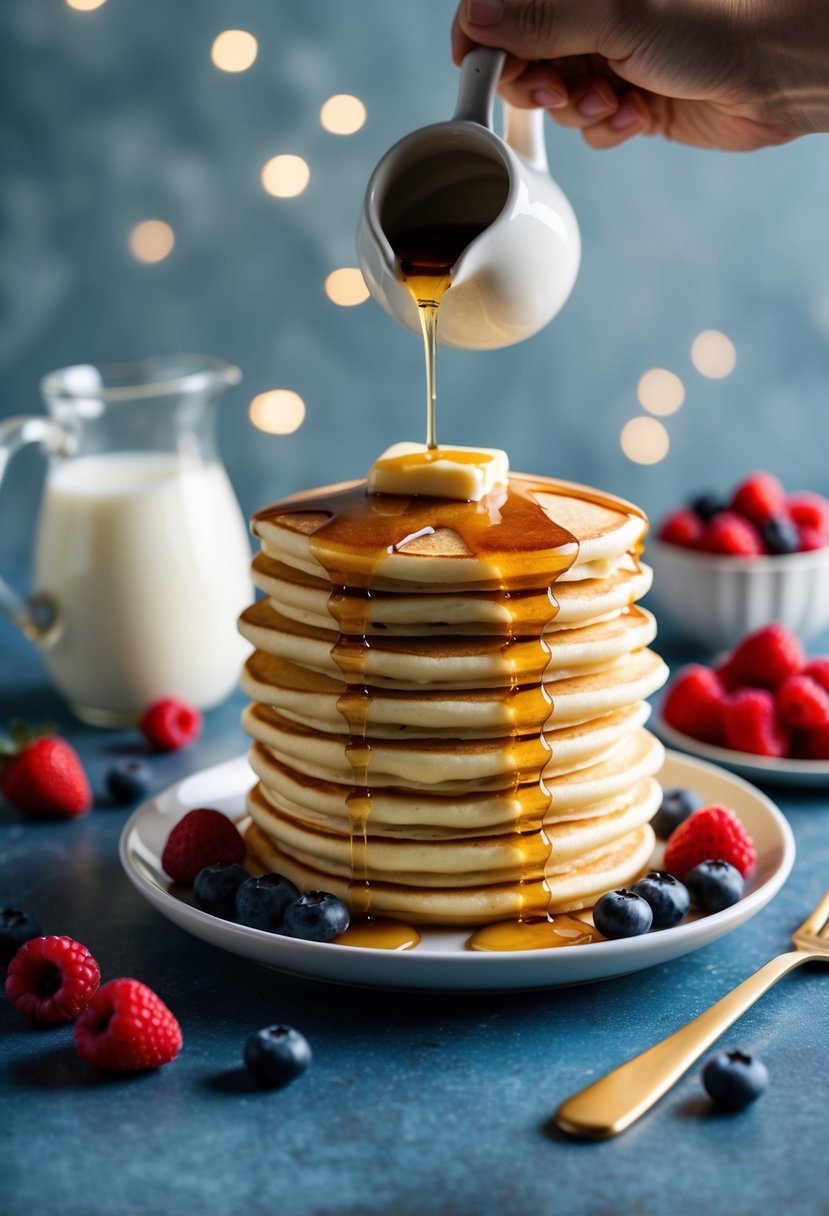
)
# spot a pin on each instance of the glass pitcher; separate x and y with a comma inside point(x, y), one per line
point(141, 556)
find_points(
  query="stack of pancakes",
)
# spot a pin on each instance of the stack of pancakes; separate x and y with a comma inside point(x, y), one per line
point(447, 735)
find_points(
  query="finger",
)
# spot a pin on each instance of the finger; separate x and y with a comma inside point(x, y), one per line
point(462, 44)
point(545, 29)
point(590, 101)
point(538, 85)
point(633, 117)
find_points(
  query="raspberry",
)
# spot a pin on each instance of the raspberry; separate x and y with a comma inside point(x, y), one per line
point(809, 510)
point(764, 658)
point(684, 528)
point(127, 1028)
point(818, 670)
point(814, 744)
point(711, 834)
point(802, 703)
point(811, 538)
point(694, 704)
point(51, 979)
point(202, 838)
point(752, 724)
point(170, 724)
point(730, 534)
point(758, 497)
point(729, 676)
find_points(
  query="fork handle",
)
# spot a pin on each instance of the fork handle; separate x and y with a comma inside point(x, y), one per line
point(610, 1105)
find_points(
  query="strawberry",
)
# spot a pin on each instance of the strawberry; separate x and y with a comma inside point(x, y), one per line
point(694, 703)
point(766, 657)
point(43, 776)
point(752, 724)
point(802, 703)
point(202, 838)
point(682, 528)
point(713, 833)
point(758, 497)
point(733, 535)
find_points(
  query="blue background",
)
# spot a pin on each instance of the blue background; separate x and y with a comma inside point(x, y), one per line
point(118, 115)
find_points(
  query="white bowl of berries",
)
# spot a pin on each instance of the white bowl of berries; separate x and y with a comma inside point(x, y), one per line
point(725, 567)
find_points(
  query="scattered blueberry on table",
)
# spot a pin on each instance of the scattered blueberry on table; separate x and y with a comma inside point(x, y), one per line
point(129, 781)
point(276, 1055)
point(733, 1080)
point(16, 928)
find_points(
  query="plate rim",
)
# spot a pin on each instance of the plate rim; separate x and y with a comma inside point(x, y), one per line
point(478, 963)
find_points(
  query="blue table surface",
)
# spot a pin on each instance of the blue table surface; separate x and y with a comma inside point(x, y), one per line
point(415, 1102)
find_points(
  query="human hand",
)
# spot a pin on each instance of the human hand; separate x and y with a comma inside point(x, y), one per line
point(729, 74)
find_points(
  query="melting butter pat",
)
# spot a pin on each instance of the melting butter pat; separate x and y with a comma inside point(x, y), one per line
point(467, 474)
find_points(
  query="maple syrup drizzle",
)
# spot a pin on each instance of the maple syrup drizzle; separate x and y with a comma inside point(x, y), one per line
point(511, 533)
point(380, 933)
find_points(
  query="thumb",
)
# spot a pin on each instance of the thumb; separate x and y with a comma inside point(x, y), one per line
point(545, 29)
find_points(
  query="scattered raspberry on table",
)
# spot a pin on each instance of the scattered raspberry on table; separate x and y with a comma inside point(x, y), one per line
point(169, 724)
point(127, 1028)
point(51, 979)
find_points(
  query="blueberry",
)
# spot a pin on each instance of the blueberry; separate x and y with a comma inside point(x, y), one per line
point(668, 898)
point(215, 887)
point(780, 535)
point(622, 914)
point(715, 885)
point(734, 1080)
point(129, 780)
point(277, 1055)
point(706, 506)
point(677, 805)
point(16, 928)
point(260, 902)
point(316, 917)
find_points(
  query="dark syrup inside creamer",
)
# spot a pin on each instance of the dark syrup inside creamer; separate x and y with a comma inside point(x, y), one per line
point(524, 552)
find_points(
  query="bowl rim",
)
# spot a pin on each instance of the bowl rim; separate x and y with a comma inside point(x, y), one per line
point(765, 563)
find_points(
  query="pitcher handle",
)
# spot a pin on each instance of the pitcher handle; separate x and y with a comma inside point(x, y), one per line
point(524, 129)
point(36, 615)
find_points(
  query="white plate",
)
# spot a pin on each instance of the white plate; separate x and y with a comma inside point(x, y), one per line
point(441, 961)
point(813, 773)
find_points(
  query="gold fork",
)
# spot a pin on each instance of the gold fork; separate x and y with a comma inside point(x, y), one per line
point(610, 1105)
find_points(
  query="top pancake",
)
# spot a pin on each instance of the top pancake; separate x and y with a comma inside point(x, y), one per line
point(430, 544)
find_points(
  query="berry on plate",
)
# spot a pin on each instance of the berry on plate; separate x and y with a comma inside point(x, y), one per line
point(766, 657)
point(706, 506)
point(713, 831)
point(128, 781)
point(715, 885)
point(780, 536)
point(43, 776)
point(732, 535)
point(316, 916)
point(127, 1028)
point(668, 898)
point(276, 1055)
point(684, 527)
point(202, 838)
point(802, 703)
point(694, 703)
point(51, 979)
point(733, 1080)
point(677, 804)
point(170, 724)
point(818, 670)
point(622, 913)
point(814, 744)
point(809, 510)
point(758, 497)
point(261, 901)
point(16, 928)
point(215, 887)
point(752, 724)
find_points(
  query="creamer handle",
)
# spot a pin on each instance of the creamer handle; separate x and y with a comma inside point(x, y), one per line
point(524, 132)
point(35, 616)
point(480, 73)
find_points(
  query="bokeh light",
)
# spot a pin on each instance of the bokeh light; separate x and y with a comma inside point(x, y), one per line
point(713, 354)
point(85, 6)
point(644, 440)
point(151, 241)
point(660, 391)
point(343, 114)
point(346, 286)
point(279, 411)
point(285, 176)
point(234, 50)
